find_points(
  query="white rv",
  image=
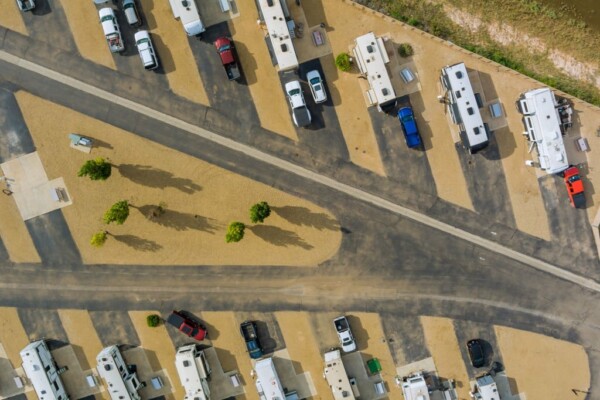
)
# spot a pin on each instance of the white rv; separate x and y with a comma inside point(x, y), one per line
point(193, 371)
point(187, 12)
point(111, 30)
point(122, 384)
point(40, 368)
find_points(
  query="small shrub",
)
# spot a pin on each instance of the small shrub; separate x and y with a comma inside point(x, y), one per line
point(98, 239)
point(414, 22)
point(235, 232)
point(259, 212)
point(153, 320)
point(405, 50)
point(342, 61)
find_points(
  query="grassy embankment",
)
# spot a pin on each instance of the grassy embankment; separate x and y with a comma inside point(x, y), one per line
point(558, 29)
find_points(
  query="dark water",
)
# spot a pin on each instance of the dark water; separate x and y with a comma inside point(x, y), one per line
point(585, 10)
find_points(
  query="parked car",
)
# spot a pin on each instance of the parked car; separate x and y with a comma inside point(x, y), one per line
point(317, 88)
point(224, 47)
point(249, 333)
point(111, 30)
point(300, 113)
point(476, 354)
point(26, 5)
point(574, 187)
point(146, 50)
point(344, 334)
point(186, 325)
point(409, 127)
point(131, 13)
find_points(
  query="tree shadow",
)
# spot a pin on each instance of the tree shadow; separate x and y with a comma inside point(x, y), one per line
point(178, 220)
point(138, 243)
point(303, 216)
point(279, 237)
point(153, 177)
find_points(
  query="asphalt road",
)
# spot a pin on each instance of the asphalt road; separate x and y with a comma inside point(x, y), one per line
point(387, 263)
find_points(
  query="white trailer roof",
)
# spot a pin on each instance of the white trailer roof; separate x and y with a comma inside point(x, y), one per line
point(371, 57)
point(336, 376)
point(464, 103)
point(39, 367)
point(541, 119)
point(191, 373)
point(279, 34)
point(267, 382)
point(122, 385)
point(187, 12)
point(415, 388)
point(486, 388)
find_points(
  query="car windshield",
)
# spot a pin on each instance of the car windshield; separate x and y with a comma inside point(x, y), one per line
point(407, 118)
point(315, 81)
point(141, 41)
point(106, 18)
point(294, 92)
point(224, 47)
point(574, 178)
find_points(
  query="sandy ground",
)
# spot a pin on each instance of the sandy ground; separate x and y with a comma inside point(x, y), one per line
point(262, 78)
point(10, 17)
point(224, 333)
point(12, 335)
point(87, 33)
point(14, 233)
point(201, 201)
point(542, 367)
point(174, 51)
point(443, 346)
point(159, 349)
point(344, 89)
point(372, 343)
point(302, 347)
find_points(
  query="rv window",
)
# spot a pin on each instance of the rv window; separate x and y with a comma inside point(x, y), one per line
point(478, 100)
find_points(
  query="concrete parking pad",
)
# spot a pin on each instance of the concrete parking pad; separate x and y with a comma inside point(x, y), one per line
point(224, 333)
point(259, 72)
point(160, 351)
point(14, 233)
point(11, 18)
point(32, 192)
point(444, 348)
point(147, 368)
point(83, 20)
point(372, 343)
point(174, 51)
point(12, 335)
point(200, 201)
point(302, 347)
point(74, 378)
point(344, 89)
point(82, 334)
point(291, 376)
point(542, 367)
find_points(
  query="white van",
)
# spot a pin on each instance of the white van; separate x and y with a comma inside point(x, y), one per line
point(131, 13)
point(146, 50)
point(111, 30)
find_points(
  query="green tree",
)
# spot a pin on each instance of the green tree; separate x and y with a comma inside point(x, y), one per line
point(342, 61)
point(235, 232)
point(96, 169)
point(99, 238)
point(259, 212)
point(153, 320)
point(118, 213)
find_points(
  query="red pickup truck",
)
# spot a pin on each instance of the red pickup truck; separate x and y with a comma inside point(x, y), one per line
point(574, 186)
point(187, 325)
point(224, 47)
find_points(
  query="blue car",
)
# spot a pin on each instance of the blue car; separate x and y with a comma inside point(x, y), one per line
point(409, 127)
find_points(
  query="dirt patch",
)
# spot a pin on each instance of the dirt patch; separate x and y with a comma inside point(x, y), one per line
point(14, 233)
point(201, 199)
point(11, 18)
point(542, 367)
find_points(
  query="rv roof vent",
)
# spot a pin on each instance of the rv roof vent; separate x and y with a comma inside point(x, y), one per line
point(270, 3)
point(385, 91)
point(370, 49)
point(284, 47)
point(459, 74)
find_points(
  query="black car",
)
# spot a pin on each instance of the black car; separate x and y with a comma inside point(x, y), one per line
point(475, 347)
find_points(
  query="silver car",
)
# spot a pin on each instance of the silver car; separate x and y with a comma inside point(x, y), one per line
point(317, 88)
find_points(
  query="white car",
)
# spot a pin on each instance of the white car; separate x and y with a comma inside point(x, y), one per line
point(317, 87)
point(342, 328)
point(146, 50)
point(26, 5)
point(300, 113)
